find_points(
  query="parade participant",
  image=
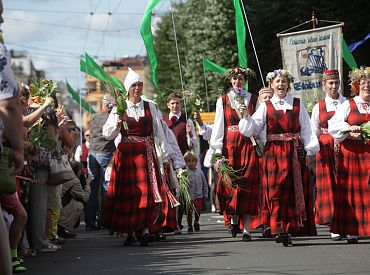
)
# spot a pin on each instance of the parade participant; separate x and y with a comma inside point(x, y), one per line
point(184, 132)
point(240, 200)
point(11, 124)
point(287, 205)
point(352, 196)
point(100, 154)
point(82, 151)
point(134, 194)
point(198, 191)
point(264, 94)
point(74, 195)
point(326, 158)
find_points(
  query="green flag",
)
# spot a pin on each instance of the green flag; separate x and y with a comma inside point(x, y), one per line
point(79, 100)
point(94, 68)
point(146, 34)
point(208, 65)
point(240, 35)
point(347, 55)
point(90, 71)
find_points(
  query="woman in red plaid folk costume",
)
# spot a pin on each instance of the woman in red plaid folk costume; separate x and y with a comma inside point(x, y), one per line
point(240, 201)
point(135, 193)
point(287, 200)
point(352, 197)
point(326, 159)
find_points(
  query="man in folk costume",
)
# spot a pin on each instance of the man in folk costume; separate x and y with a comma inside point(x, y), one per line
point(241, 200)
point(134, 196)
point(326, 159)
point(351, 215)
point(288, 198)
point(184, 131)
point(170, 163)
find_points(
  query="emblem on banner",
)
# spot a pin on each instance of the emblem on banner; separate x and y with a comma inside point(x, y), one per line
point(311, 62)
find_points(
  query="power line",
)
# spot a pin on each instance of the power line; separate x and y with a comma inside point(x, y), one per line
point(73, 12)
point(69, 26)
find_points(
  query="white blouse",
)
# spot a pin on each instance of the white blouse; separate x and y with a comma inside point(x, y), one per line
point(110, 131)
point(339, 121)
point(256, 124)
point(331, 105)
point(217, 136)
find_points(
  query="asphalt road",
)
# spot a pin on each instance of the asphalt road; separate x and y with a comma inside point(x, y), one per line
point(210, 251)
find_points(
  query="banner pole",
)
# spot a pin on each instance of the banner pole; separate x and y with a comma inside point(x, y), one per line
point(254, 48)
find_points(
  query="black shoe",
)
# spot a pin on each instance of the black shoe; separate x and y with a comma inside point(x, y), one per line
point(130, 240)
point(144, 240)
point(284, 239)
point(266, 233)
point(160, 237)
point(92, 228)
point(234, 230)
point(190, 229)
point(181, 227)
point(352, 241)
point(58, 240)
point(246, 238)
point(196, 227)
point(65, 233)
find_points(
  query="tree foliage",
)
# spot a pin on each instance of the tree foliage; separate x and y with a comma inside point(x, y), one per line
point(206, 29)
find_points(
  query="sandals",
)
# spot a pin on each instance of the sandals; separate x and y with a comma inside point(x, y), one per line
point(28, 252)
point(17, 266)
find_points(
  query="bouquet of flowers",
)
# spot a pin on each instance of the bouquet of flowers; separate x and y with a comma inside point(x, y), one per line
point(40, 89)
point(39, 137)
point(365, 132)
point(184, 183)
point(223, 168)
point(194, 100)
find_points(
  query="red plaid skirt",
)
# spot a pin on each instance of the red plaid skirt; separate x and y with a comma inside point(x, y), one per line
point(278, 208)
point(244, 197)
point(325, 180)
point(130, 205)
point(352, 198)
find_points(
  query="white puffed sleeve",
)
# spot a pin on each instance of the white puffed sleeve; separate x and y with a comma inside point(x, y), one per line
point(217, 135)
point(158, 131)
point(205, 131)
point(246, 126)
point(315, 120)
point(110, 130)
point(259, 120)
point(308, 136)
point(338, 122)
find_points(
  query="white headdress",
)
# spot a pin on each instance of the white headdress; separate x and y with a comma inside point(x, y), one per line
point(131, 77)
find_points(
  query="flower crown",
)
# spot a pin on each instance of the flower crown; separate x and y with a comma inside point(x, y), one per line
point(281, 72)
point(248, 73)
point(357, 73)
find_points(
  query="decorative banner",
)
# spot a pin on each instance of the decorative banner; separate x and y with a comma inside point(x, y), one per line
point(240, 35)
point(76, 97)
point(208, 65)
point(146, 34)
point(307, 54)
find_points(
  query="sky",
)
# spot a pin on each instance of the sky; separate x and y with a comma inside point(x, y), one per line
point(55, 33)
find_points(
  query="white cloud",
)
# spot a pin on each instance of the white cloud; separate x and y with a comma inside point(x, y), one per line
point(17, 31)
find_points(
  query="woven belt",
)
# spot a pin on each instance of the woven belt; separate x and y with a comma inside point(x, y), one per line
point(232, 129)
point(324, 131)
point(151, 153)
point(297, 175)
